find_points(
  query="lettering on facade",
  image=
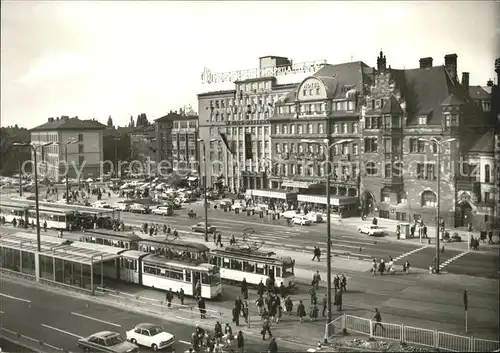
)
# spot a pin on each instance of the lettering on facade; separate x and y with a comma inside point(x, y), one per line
point(312, 85)
point(208, 77)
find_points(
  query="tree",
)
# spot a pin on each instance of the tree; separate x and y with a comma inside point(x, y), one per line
point(142, 120)
point(131, 123)
point(110, 121)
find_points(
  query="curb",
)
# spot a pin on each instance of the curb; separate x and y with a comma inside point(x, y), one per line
point(122, 306)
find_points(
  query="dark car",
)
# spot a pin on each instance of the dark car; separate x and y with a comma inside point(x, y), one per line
point(108, 342)
point(200, 228)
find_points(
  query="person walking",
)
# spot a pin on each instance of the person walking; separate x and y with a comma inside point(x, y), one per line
point(266, 328)
point(201, 306)
point(244, 288)
point(381, 267)
point(343, 283)
point(241, 341)
point(273, 346)
point(338, 300)
point(261, 288)
point(288, 306)
point(336, 283)
point(181, 296)
point(313, 312)
point(316, 253)
point(324, 304)
point(378, 320)
point(282, 291)
point(169, 296)
point(301, 310)
point(316, 279)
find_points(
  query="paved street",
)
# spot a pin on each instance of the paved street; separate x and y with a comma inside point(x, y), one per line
point(60, 320)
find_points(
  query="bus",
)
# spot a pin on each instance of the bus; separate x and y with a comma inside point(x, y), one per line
point(254, 266)
point(150, 270)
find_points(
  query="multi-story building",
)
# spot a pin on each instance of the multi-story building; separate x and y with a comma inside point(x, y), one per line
point(84, 156)
point(177, 141)
point(243, 114)
point(325, 109)
point(404, 110)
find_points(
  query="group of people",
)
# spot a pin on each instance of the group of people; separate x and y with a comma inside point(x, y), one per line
point(154, 228)
point(383, 267)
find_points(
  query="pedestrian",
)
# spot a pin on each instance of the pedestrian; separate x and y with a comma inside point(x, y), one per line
point(378, 320)
point(317, 253)
point(374, 267)
point(273, 346)
point(381, 267)
point(282, 291)
point(490, 237)
point(241, 341)
point(313, 312)
point(44, 226)
point(312, 293)
point(324, 304)
point(301, 310)
point(236, 316)
point(219, 239)
point(244, 288)
point(202, 308)
point(317, 279)
point(338, 300)
point(245, 312)
point(169, 296)
point(336, 283)
point(343, 283)
point(279, 314)
point(266, 328)
point(406, 267)
point(288, 306)
point(260, 304)
point(228, 332)
point(260, 288)
point(181, 296)
point(218, 331)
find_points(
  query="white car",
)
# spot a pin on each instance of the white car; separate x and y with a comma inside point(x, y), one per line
point(302, 220)
point(150, 335)
point(289, 214)
point(238, 206)
point(371, 230)
point(122, 206)
point(162, 211)
point(101, 204)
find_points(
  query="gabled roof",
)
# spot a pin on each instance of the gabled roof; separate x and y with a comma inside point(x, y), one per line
point(452, 99)
point(392, 107)
point(484, 144)
point(336, 77)
point(479, 93)
point(70, 124)
point(174, 116)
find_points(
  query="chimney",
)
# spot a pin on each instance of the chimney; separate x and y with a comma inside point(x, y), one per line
point(450, 64)
point(57, 118)
point(51, 120)
point(425, 63)
point(381, 63)
point(465, 81)
point(489, 83)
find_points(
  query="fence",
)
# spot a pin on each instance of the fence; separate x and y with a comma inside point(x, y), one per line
point(409, 334)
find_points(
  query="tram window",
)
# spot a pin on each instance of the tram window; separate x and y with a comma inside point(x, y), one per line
point(261, 269)
point(278, 271)
point(213, 260)
point(151, 270)
point(236, 265)
point(287, 270)
point(248, 266)
point(226, 263)
point(205, 278)
point(188, 275)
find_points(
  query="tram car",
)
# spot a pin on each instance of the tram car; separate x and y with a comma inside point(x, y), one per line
point(124, 240)
point(155, 271)
point(237, 263)
point(55, 218)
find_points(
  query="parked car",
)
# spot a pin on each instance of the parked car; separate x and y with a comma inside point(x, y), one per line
point(239, 206)
point(138, 208)
point(302, 220)
point(163, 211)
point(200, 228)
point(101, 204)
point(122, 206)
point(371, 230)
point(150, 335)
point(107, 341)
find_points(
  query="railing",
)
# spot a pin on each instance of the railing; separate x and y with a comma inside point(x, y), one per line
point(27, 342)
point(409, 334)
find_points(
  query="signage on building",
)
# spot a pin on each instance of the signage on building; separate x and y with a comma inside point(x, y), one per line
point(208, 77)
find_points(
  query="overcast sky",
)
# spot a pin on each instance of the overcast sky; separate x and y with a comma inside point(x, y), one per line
point(95, 59)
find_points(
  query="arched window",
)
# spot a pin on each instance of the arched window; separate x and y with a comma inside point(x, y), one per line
point(370, 168)
point(487, 173)
point(402, 197)
point(385, 194)
point(429, 199)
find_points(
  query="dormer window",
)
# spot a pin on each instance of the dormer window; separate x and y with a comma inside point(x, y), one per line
point(422, 120)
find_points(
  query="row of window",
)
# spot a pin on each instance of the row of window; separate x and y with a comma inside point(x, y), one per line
point(244, 101)
point(235, 131)
point(189, 124)
point(344, 128)
point(290, 169)
point(339, 149)
point(318, 108)
point(182, 137)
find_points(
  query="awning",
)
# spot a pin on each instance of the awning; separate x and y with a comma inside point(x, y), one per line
point(273, 194)
point(297, 184)
point(334, 200)
point(192, 178)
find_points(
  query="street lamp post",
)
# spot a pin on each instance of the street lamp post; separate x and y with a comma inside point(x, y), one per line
point(205, 184)
point(328, 226)
point(37, 209)
point(439, 145)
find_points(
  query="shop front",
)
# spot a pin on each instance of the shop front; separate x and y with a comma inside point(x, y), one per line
point(272, 197)
point(343, 206)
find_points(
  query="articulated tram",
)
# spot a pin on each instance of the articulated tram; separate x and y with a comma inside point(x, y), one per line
point(238, 263)
point(54, 217)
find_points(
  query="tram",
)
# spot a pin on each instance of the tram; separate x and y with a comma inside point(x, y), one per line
point(238, 263)
point(124, 240)
point(159, 272)
point(174, 247)
point(54, 217)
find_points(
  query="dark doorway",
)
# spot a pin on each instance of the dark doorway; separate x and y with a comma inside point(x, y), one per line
point(368, 203)
point(464, 214)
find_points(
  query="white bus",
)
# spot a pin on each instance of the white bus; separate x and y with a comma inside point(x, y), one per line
point(237, 264)
point(159, 272)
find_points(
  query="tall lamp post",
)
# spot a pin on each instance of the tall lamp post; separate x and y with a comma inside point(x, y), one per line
point(328, 224)
point(70, 141)
point(439, 145)
point(37, 209)
point(205, 184)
